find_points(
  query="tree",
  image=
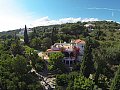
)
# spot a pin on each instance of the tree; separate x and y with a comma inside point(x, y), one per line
point(116, 81)
point(62, 80)
point(35, 86)
point(87, 65)
point(16, 48)
point(56, 63)
point(36, 43)
point(46, 43)
point(65, 30)
point(85, 33)
point(33, 34)
point(100, 65)
point(73, 81)
point(53, 35)
point(56, 57)
point(82, 83)
point(66, 80)
point(20, 65)
point(76, 29)
point(26, 39)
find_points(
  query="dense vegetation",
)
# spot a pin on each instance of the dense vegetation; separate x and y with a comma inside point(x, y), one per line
point(16, 62)
point(100, 61)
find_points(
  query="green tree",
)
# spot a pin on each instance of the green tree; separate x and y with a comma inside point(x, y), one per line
point(116, 81)
point(65, 30)
point(46, 43)
point(56, 57)
point(62, 80)
point(82, 83)
point(33, 58)
point(22, 85)
point(99, 64)
point(102, 71)
point(53, 35)
point(87, 65)
point(20, 65)
point(16, 48)
point(76, 29)
point(26, 39)
point(35, 86)
point(35, 43)
point(66, 80)
point(33, 34)
point(73, 81)
point(35, 61)
point(55, 60)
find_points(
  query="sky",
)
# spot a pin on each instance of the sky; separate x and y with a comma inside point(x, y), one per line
point(15, 14)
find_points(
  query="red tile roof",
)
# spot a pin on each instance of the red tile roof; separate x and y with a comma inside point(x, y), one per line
point(79, 41)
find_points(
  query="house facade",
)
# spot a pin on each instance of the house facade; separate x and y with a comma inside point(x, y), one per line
point(89, 26)
point(72, 51)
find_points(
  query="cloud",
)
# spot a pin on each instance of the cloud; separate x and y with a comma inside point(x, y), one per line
point(45, 21)
point(11, 23)
point(90, 19)
point(12, 16)
point(112, 14)
point(109, 9)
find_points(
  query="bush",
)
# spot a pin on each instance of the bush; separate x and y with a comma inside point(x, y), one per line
point(62, 80)
point(82, 83)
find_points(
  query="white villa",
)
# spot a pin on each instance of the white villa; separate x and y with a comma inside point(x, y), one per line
point(72, 51)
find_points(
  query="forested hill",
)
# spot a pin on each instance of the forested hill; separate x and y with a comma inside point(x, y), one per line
point(106, 25)
point(101, 30)
point(18, 57)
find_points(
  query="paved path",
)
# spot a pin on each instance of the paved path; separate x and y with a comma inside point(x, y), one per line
point(48, 81)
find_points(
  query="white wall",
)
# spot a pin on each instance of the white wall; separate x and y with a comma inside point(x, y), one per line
point(81, 46)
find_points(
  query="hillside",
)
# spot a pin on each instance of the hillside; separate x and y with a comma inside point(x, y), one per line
point(20, 64)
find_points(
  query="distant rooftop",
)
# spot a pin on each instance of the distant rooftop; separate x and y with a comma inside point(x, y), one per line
point(89, 25)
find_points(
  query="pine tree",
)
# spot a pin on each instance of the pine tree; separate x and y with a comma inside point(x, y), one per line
point(87, 65)
point(116, 81)
point(34, 33)
point(53, 35)
point(26, 39)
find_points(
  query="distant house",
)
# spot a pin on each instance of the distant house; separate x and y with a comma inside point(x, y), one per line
point(72, 51)
point(21, 33)
point(89, 26)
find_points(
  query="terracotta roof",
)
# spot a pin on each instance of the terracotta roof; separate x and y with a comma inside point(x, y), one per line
point(50, 50)
point(79, 41)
